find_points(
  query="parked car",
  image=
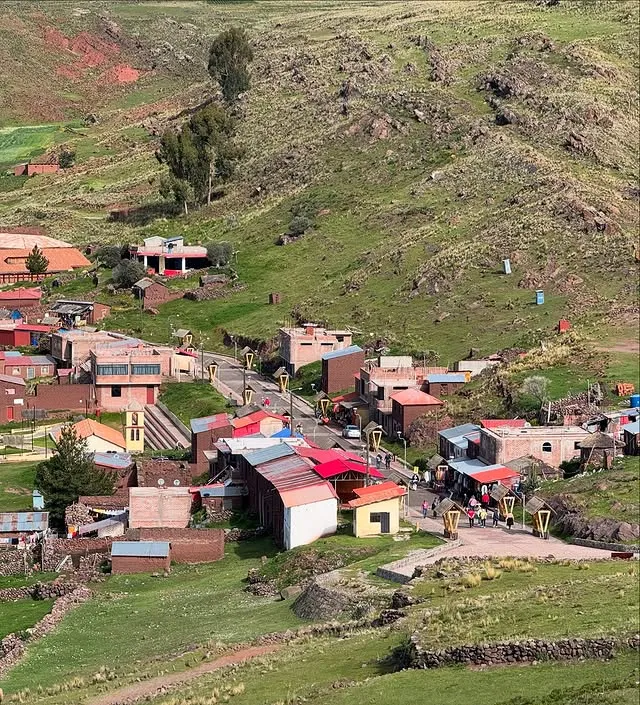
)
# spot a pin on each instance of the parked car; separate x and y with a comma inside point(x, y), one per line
point(351, 432)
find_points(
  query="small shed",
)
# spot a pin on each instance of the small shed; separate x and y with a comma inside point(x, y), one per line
point(376, 509)
point(150, 292)
point(598, 449)
point(140, 556)
point(631, 437)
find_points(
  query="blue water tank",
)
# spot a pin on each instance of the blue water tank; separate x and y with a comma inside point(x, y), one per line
point(539, 297)
point(634, 402)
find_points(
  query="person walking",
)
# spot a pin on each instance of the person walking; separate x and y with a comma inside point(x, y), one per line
point(425, 508)
point(378, 461)
point(434, 506)
point(387, 461)
point(471, 513)
point(483, 517)
point(496, 518)
point(509, 521)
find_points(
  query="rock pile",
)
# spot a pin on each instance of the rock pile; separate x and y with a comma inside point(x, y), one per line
point(210, 292)
point(39, 591)
point(527, 651)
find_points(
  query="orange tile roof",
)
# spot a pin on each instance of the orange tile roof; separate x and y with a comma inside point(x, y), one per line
point(61, 259)
point(89, 427)
point(376, 493)
point(414, 397)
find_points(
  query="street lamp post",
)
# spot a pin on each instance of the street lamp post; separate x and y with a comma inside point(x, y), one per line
point(291, 391)
point(368, 430)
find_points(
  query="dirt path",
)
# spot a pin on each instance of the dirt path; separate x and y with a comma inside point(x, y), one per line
point(623, 346)
point(137, 691)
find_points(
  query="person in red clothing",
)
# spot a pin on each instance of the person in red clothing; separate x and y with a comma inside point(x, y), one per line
point(485, 499)
point(471, 513)
point(425, 509)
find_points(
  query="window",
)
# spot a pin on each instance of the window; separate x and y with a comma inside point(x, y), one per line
point(380, 394)
point(546, 447)
point(375, 517)
point(116, 390)
point(31, 372)
point(44, 370)
point(16, 371)
point(112, 370)
point(134, 418)
point(133, 434)
point(145, 369)
point(137, 434)
point(305, 344)
point(326, 345)
point(576, 445)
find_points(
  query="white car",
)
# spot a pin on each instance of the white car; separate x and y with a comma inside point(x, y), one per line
point(351, 432)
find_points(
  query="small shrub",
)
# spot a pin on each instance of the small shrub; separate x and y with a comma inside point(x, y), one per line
point(471, 580)
point(490, 572)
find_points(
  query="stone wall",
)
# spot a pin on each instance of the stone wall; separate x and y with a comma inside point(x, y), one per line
point(14, 562)
point(325, 597)
point(84, 552)
point(38, 591)
point(618, 547)
point(525, 651)
point(12, 646)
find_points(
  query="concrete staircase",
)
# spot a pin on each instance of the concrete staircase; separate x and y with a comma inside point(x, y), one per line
point(161, 432)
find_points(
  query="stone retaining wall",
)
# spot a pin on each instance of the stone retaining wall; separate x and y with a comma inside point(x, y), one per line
point(394, 571)
point(12, 646)
point(12, 561)
point(525, 651)
point(38, 591)
point(590, 543)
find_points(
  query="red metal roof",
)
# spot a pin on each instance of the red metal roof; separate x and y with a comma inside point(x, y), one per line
point(25, 294)
point(339, 467)
point(414, 397)
point(495, 475)
point(376, 493)
point(351, 396)
point(255, 417)
point(501, 423)
point(34, 328)
point(320, 455)
point(295, 481)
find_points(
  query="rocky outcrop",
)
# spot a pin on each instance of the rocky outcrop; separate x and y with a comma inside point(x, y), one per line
point(569, 519)
point(526, 651)
point(331, 595)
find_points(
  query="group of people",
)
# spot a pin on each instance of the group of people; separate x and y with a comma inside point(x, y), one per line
point(478, 513)
point(387, 461)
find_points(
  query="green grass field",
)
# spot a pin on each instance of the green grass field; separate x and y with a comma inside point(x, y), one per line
point(21, 614)
point(191, 400)
point(16, 484)
point(19, 144)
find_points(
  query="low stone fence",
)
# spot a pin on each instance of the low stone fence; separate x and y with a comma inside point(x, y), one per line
point(403, 570)
point(617, 547)
point(15, 562)
point(509, 652)
point(38, 591)
point(231, 535)
point(13, 646)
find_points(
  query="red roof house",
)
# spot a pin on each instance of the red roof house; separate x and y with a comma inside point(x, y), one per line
point(503, 423)
point(408, 405)
point(346, 476)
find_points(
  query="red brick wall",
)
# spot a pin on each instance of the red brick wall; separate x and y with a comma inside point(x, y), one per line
point(338, 373)
point(403, 416)
point(42, 169)
point(440, 389)
point(133, 564)
point(71, 397)
point(187, 545)
point(205, 441)
point(99, 312)
point(7, 400)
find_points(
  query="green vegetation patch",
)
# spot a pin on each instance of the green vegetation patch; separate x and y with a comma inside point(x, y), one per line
point(19, 144)
point(192, 400)
point(22, 614)
point(16, 485)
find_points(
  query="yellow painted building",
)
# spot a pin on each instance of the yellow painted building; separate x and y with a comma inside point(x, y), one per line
point(134, 428)
point(377, 509)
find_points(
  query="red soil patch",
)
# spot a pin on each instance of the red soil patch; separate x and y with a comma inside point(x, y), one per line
point(93, 50)
point(120, 74)
point(55, 38)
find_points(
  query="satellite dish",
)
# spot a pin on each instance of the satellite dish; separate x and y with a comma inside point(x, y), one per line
point(176, 482)
point(160, 481)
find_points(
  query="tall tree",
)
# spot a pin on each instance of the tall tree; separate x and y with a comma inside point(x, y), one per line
point(229, 58)
point(200, 156)
point(69, 473)
point(36, 262)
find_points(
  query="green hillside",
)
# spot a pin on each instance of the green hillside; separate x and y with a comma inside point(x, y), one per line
point(428, 141)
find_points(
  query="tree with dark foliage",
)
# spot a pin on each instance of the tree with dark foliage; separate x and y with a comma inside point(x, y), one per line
point(229, 58)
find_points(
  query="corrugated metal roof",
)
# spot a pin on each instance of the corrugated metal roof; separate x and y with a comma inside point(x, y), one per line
point(468, 466)
point(456, 431)
point(140, 549)
point(102, 524)
point(495, 475)
point(339, 467)
point(341, 353)
point(455, 377)
point(208, 423)
point(632, 427)
point(414, 397)
point(113, 460)
point(295, 481)
point(376, 493)
point(266, 455)
point(286, 433)
point(501, 423)
point(23, 521)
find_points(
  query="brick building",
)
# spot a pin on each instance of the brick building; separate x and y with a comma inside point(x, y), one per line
point(12, 398)
point(302, 346)
point(551, 444)
point(340, 367)
point(140, 557)
point(14, 364)
point(44, 164)
point(150, 292)
point(152, 472)
point(21, 334)
point(187, 545)
point(205, 432)
point(21, 298)
point(407, 406)
point(72, 313)
point(446, 383)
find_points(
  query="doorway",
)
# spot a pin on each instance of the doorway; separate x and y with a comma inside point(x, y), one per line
point(151, 394)
point(385, 524)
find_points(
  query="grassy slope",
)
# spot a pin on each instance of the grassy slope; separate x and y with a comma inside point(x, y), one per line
point(515, 605)
point(190, 400)
point(16, 483)
point(21, 614)
point(613, 494)
point(392, 249)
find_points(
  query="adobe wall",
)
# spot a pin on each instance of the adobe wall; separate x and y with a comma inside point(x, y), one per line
point(136, 564)
point(187, 545)
point(63, 397)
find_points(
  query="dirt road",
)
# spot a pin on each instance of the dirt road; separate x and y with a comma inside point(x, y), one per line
point(138, 691)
